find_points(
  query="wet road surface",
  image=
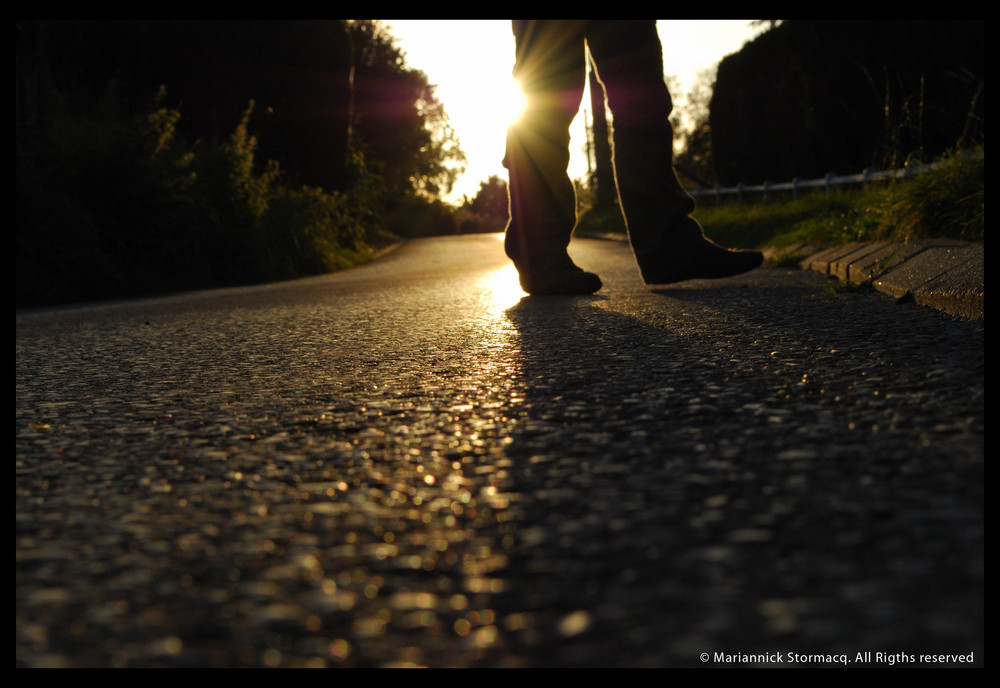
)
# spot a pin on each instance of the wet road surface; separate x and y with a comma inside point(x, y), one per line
point(413, 464)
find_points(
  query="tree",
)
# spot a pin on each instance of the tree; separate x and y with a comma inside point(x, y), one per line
point(694, 158)
point(491, 199)
point(144, 156)
point(487, 211)
point(397, 117)
point(602, 181)
point(809, 97)
point(297, 72)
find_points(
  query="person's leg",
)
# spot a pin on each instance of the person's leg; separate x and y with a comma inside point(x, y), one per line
point(550, 67)
point(668, 243)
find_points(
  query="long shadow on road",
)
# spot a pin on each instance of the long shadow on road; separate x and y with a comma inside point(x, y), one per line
point(431, 472)
point(739, 479)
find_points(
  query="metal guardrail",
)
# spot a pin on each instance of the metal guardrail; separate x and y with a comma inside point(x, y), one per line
point(797, 186)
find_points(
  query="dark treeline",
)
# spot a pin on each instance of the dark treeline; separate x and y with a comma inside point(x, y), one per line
point(297, 72)
point(157, 155)
point(809, 97)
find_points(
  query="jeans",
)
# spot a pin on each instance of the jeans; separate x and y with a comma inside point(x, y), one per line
point(551, 68)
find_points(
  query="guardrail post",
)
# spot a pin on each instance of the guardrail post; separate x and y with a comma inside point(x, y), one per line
point(830, 180)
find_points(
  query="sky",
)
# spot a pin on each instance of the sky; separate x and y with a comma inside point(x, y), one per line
point(470, 62)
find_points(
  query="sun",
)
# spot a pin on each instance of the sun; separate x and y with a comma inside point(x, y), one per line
point(513, 102)
point(470, 62)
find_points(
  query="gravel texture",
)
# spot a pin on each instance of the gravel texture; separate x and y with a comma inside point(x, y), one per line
point(411, 464)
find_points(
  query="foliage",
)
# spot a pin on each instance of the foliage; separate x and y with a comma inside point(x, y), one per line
point(491, 199)
point(693, 131)
point(296, 71)
point(111, 204)
point(816, 218)
point(398, 116)
point(601, 182)
point(809, 97)
point(116, 196)
point(487, 211)
point(600, 221)
point(945, 201)
point(415, 215)
point(949, 197)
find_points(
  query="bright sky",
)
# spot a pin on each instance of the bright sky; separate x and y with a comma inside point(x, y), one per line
point(470, 62)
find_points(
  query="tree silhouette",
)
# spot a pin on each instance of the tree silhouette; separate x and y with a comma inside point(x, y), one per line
point(491, 199)
point(694, 159)
point(487, 210)
point(144, 153)
point(398, 117)
point(809, 97)
point(297, 73)
point(602, 180)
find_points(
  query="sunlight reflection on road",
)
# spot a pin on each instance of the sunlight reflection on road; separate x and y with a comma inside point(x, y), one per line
point(500, 289)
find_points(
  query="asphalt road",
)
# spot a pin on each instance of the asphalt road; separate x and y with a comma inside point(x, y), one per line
point(413, 464)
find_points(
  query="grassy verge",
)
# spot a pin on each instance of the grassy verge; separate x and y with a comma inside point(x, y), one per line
point(946, 201)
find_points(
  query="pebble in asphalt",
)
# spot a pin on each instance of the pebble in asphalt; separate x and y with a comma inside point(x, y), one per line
point(412, 465)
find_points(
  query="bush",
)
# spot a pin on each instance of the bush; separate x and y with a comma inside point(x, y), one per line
point(600, 221)
point(112, 205)
point(472, 222)
point(416, 216)
point(946, 201)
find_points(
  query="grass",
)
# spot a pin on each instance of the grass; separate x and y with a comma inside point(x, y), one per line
point(946, 201)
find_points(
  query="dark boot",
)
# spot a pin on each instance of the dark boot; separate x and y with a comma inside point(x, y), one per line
point(542, 217)
point(668, 244)
point(542, 198)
